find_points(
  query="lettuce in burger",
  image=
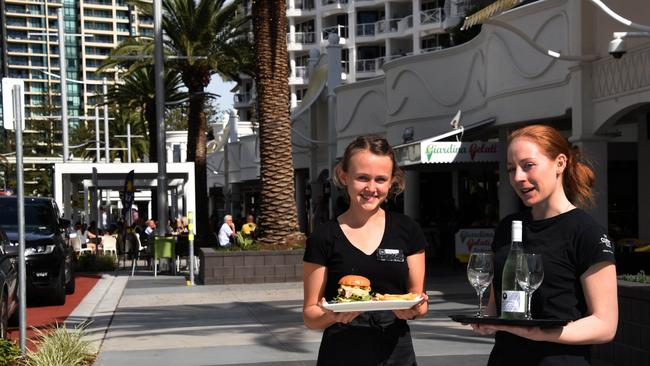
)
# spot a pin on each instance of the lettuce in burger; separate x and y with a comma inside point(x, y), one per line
point(353, 288)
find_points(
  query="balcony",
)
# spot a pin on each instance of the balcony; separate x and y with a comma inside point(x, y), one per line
point(302, 5)
point(432, 20)
point(341, 30)
point(299, 76)
point(366, 29)
point(385, 26)
point(371, 65)
point(296, 41)
point(330, 7)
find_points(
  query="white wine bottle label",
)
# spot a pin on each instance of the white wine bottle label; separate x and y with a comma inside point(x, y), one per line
point(513, 301)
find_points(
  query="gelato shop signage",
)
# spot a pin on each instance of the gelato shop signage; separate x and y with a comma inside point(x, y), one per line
point(458, 152)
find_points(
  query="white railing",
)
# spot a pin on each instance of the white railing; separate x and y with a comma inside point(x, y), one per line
point(366, 29)
point(301, 37)
point(303, 4)
point(370, 65)
point(341, 30)
point(330, 2)
point(385, 26)
point(431, 16)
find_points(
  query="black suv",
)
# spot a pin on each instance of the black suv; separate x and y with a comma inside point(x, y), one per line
point(47, 253)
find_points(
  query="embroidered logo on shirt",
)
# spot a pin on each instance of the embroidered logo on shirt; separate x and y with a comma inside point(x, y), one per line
point(605, 240)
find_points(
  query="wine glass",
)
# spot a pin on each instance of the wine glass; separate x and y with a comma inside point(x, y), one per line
point(530, 274)
point(480, 270)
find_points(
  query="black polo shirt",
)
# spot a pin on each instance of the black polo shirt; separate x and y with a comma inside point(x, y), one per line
point(328, 246)
point(378, 337)
point(569, 243)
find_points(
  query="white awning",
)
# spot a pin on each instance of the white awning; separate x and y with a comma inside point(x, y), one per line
point(432, 150)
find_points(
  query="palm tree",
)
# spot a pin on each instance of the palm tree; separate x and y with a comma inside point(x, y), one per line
point(209, 37)
point(278, 216)
point(124, 117)
point(138, 91)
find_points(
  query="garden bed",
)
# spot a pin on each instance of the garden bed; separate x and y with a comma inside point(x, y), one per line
point(232, 267)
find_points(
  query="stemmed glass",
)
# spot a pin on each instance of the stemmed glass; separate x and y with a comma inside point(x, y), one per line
point(480, 270)
point(530, 274)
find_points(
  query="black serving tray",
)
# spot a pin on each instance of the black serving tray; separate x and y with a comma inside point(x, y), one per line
point(492, 320)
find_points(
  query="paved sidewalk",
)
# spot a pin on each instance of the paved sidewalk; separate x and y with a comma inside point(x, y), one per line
point(159, 321)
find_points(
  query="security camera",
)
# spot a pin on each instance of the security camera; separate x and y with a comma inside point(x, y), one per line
point(617, 47)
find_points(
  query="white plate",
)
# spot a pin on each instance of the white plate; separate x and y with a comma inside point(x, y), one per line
point(371, 305)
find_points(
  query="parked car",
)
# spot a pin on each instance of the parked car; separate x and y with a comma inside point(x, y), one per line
point(48, 256)
point(8, 284)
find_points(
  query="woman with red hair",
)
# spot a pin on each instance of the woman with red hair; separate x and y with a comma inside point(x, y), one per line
point(553, 181)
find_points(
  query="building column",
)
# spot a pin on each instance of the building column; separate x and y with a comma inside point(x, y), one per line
point(455, 187)
point(293, 97)
point(416, 27)
point(596, 151)
point(643, 153)
point(292, 30)
point(299, 181)
point(67, 198)
point(412, 194)
point(508, 200)
point(292, 65)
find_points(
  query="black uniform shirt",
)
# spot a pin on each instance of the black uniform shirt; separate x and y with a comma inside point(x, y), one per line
point(377, 337)
point(569, 243)
point(328, 246)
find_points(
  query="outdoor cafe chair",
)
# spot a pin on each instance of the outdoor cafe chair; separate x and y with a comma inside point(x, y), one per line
point(109, 244)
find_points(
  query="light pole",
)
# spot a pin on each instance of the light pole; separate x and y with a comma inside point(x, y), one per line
point(159, 74)
point(64, 84)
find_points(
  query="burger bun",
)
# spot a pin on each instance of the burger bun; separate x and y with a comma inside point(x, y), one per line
point(354, 280)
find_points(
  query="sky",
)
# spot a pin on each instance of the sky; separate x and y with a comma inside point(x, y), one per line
point(222, 88)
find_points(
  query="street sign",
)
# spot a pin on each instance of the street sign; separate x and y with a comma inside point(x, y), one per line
point(8, 104)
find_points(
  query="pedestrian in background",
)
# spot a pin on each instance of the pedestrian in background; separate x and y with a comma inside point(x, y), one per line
point(578, 259)
point(227, 232)
point(385, 247)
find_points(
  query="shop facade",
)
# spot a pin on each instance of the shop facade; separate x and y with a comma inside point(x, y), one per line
point(600, 103)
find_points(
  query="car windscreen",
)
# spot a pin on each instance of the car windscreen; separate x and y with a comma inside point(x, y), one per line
point(38, 218)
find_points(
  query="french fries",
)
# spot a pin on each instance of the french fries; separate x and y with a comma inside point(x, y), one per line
point(385, 297)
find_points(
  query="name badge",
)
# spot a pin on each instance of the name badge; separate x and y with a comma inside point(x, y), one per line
point(390, 255)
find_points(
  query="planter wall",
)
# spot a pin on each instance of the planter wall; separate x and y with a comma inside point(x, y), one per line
point(219, 267)
point(631, 346)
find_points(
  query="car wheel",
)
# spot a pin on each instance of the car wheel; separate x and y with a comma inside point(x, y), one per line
point(71, 285)
point(58, 295)
point(4, 318)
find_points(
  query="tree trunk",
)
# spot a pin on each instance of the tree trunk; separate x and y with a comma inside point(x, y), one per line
point(278, 217)
point(195, 81)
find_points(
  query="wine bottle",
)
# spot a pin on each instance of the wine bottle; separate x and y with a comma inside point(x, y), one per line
point(513, 299)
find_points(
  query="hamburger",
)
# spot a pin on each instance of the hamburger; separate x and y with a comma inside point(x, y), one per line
point(353, 288)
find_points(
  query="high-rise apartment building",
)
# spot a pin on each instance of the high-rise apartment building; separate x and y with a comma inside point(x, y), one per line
point(92, 27)
point(371, 32)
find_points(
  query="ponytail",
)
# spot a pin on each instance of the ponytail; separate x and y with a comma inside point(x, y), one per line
point(579, 179)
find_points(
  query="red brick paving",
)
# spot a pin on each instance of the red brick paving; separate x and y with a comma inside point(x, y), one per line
point(43, 317)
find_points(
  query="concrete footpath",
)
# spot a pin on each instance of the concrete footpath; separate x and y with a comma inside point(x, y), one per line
point(144, 320)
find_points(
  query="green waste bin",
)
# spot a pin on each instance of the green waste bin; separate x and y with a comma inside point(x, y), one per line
point(164, 247)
